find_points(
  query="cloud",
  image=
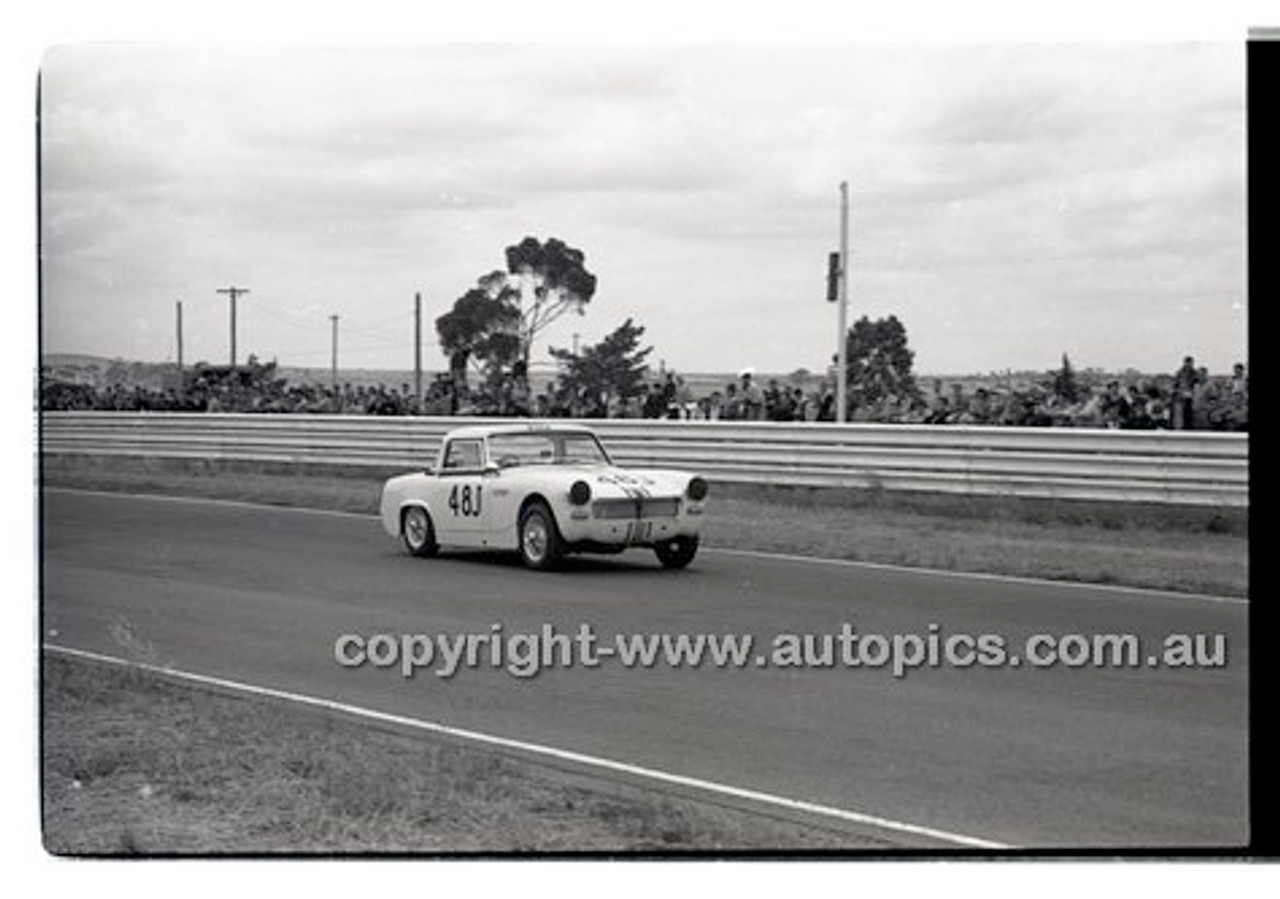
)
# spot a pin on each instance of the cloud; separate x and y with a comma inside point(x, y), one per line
point(996, 188)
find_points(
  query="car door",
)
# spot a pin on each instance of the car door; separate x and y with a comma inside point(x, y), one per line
point(459, 509)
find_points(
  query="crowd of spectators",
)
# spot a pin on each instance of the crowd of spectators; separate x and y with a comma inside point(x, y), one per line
point(1189, 399)
point(219, 390)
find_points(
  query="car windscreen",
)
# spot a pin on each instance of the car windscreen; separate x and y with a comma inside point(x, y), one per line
point(509, 450)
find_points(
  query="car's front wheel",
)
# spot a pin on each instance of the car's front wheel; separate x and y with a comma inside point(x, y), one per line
point(418, 532)
point(677, 552)
point(540, 545)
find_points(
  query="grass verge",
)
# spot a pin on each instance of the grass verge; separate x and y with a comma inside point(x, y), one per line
point(1182, 549)
point(135, 763)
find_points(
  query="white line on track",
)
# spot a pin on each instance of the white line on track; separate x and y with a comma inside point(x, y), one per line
point(547, 751)
point(979, 575)
point(214, 501)
point(759, 554)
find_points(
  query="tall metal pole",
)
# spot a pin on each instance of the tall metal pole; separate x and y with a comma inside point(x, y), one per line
point(333, 368)
point(233, 292)
point(417, 351)
point(182, 374)
point(842, 374)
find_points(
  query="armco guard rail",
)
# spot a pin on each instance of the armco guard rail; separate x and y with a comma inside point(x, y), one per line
point(1197, 468)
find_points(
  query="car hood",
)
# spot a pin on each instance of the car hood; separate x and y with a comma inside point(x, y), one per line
point(610, 480)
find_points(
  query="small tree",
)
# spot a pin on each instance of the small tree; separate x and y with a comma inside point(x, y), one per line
point(614, 367)
point(1064, 382)
point(878, 362)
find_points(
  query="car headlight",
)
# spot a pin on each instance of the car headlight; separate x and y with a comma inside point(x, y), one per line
point(580, 493)
point(697, 489)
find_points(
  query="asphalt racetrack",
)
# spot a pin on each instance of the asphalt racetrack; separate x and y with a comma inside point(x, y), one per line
point(1040, 758)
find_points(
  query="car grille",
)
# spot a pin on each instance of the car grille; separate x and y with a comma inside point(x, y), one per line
point(664, 507)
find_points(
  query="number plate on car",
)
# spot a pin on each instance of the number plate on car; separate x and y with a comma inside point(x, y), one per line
point(639, 531)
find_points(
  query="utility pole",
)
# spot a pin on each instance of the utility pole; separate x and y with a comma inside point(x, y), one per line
point(842, 337)
point(417, 351)
point(233, 293)
point(333, 371)
point(182, 374)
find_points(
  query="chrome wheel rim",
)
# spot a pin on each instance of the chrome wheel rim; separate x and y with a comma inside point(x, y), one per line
point(415, 528)
point(535, 538)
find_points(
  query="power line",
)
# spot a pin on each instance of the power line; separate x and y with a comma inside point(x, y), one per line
point(347, 351)
point(368, 331)
point(396, 319)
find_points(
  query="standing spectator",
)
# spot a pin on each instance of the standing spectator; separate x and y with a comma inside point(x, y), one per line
point(752, 398)
point(654, 405)
point(731, 409)
point(801, 406)
point(1137, 417)
point(1158, 408)
point(827, 404)
point(1239, 380)
point(1238, 400)
point(780, 407)
point(1114, 407)
point(715, 406)
point(1184, 384)
point(1202, 400)
point(682, 398)
point(669, 397)
point(770, 393)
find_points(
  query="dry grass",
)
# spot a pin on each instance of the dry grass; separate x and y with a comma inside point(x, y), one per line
point(1197, 561)
point(134, 763)
point(1169, 548)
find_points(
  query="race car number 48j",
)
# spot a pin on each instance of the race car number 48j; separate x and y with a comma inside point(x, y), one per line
point(545, 491)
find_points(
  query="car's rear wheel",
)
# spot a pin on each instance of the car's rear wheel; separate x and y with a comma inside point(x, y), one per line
point(418, 532)
point(540, 544)
point(677, 552)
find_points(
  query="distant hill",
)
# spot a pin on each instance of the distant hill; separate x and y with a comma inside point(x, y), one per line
point(99, 371)
point(701, 383)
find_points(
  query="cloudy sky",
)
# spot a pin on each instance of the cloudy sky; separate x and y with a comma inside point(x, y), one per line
point(1010, 201)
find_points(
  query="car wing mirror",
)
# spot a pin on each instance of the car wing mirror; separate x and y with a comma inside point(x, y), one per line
point(492, 468)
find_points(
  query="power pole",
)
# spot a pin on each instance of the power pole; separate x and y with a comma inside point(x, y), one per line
point(182, 374)
point(233, 293)
point(333, 373)
point(576, 335)
point(842, 337)
point(417, 351)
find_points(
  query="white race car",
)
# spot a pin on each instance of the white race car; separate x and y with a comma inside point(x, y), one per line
point(546, 490)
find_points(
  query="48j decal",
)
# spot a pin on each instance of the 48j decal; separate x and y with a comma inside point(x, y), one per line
point(462, 501)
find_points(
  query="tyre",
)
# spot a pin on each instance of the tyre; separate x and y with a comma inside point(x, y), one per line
point(676, 553)
point(418, 532)
point(540, 544)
